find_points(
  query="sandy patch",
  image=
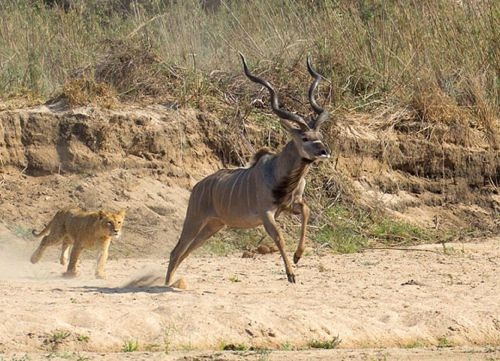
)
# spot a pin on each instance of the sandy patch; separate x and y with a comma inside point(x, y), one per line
point(377, 299)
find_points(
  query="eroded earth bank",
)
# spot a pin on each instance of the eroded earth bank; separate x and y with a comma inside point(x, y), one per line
point(433, 301)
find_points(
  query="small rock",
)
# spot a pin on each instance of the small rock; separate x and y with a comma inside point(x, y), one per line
point(263, 249)
point(411, 282)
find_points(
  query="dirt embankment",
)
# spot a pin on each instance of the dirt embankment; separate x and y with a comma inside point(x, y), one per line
point(436, 175)
point(45, 141)
point(146, 159)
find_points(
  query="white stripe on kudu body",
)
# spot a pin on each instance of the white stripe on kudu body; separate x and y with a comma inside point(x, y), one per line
point(249, 197)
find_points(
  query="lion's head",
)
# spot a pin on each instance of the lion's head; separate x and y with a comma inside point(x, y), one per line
point(112, 222)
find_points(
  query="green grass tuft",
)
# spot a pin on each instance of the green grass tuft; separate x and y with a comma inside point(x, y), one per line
point(444, 342)
point(130, 346)
point(326, 344)
point(348, 230)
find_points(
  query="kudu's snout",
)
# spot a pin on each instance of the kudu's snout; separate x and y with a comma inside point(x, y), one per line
point(322, 152)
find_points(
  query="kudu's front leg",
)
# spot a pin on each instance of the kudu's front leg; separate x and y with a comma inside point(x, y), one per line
point(273, 231)
point(303, 209)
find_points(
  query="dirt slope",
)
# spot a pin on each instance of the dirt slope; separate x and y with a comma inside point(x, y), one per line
point(147, 159)
point(143, 160)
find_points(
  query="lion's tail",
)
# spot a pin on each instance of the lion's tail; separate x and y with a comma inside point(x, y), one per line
point(46, 230)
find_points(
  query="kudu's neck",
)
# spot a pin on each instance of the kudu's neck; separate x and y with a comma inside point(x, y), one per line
point(289, 169)
point(289, 161)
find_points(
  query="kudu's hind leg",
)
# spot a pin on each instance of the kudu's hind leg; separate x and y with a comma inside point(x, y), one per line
point(273, 231)
point(206, 232)
point(189, 231)
point(303, 209)
point(203, 235)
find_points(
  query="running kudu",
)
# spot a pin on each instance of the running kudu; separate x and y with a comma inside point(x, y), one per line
point(249, 197)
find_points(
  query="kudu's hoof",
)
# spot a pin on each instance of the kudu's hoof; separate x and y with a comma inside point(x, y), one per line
point(291, 277)
point(296, 258)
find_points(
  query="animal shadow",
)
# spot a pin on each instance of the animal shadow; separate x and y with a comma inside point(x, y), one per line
point(147, 283)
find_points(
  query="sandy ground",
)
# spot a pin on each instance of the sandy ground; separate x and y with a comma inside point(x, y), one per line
point(381, 304)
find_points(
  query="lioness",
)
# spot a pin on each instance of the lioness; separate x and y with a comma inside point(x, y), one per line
point(81, 230)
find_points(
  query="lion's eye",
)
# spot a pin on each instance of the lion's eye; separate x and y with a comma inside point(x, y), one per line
point(110, 224)
point(305, 139)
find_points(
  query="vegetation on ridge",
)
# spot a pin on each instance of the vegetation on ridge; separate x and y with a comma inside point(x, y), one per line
point(373, 53)
point(428, 63)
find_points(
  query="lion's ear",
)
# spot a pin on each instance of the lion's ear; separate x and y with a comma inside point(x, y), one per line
point(101, 214)
point(122, 212)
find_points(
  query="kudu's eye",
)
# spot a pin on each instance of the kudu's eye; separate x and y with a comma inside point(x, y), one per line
point(305, 139)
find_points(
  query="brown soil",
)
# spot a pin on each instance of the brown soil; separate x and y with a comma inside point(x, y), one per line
point(382, 298)
point(141, 160)
point(146, 159)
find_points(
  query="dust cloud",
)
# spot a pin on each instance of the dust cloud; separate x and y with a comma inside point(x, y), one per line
point(15, 254)
point(149, 279)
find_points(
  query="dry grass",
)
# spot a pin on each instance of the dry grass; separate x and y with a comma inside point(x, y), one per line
point(372, 52)
point(85, 90)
